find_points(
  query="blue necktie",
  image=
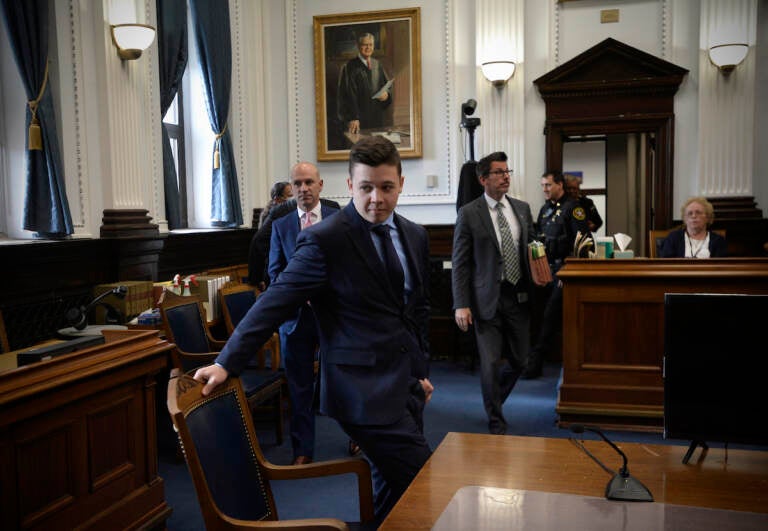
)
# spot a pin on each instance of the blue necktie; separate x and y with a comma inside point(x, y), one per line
point(391, 260)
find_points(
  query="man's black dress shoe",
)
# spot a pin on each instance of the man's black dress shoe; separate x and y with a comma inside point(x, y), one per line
point(497, 429)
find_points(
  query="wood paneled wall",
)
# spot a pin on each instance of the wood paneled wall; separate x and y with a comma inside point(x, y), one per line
point(42, 279)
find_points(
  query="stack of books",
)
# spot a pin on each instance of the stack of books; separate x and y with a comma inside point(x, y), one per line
point(137, 299)
point(207, 290)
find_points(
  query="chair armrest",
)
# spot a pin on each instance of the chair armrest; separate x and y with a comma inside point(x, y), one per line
point(192, 359)
point(272, 346)
point(216, 344)
point(318, 524)
point(332, 467)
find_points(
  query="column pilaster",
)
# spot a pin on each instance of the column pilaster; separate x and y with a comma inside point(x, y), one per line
point(726, 102)
point(499, 30)
point(134, 188)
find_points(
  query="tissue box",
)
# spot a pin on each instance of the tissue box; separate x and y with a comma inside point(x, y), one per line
point(624, 254)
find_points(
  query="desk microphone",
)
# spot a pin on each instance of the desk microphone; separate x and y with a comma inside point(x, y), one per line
point(78, 317)
point(622, 486)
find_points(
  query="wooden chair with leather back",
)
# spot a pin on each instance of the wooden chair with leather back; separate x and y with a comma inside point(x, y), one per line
point(236, 299)
point(230, 473)
point(656, 238)
point(185, 326)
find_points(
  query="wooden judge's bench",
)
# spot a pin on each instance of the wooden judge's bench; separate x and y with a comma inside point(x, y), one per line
point(78, 445)
point(613, 332)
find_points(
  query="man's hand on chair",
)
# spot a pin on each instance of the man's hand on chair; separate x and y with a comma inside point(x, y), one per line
point(212, 376)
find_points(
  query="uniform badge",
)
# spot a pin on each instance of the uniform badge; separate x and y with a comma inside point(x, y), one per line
point(578, 213)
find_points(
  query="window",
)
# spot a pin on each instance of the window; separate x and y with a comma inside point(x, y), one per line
point(174, 124)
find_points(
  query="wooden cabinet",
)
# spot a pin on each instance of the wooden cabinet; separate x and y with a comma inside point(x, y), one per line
point(613, 332)
point(78, 443)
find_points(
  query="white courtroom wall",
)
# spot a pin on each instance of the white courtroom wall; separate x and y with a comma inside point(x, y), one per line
point(110, 166)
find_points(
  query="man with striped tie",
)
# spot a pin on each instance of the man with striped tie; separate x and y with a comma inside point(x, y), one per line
point(492, 283)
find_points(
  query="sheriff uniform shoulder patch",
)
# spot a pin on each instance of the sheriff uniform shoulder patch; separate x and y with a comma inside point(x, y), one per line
point(578, 213)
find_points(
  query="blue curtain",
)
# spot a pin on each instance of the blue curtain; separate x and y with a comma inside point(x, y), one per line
point(210, 19)
point(172, 45)
point(46, 209)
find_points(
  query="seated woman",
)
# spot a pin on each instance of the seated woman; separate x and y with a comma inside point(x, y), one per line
point(280, 193)
point(694, 240)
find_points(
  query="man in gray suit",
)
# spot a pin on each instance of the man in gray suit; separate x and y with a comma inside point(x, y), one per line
point(492, 283)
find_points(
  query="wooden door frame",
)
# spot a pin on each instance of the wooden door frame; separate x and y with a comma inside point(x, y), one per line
point(613, 88)
point(659, 205)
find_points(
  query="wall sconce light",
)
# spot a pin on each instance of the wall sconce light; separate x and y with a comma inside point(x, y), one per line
point(498, 72)
point(726, 57)
point(132, 39)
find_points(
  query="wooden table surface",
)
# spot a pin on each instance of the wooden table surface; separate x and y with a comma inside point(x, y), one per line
point(559, 465)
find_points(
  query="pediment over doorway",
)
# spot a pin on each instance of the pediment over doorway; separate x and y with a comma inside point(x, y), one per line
point(610, 66)
point(615, 90)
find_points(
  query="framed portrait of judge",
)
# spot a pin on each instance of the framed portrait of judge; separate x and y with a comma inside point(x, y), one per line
point(368, 80)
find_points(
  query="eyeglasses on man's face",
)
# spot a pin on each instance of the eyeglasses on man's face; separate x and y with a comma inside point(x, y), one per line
point(500, 173)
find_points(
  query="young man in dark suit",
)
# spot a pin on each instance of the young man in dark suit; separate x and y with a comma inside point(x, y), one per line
point(372, 320)
point(492, 284)
point(298, 335)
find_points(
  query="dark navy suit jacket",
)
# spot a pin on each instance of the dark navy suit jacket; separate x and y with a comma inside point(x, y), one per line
point(373, 344)
point(673, 245)
point(282, 246)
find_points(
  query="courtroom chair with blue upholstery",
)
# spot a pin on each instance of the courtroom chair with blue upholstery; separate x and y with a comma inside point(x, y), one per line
point(185, 326)
point(230, 473)
point(236, 299)
point(655, 240)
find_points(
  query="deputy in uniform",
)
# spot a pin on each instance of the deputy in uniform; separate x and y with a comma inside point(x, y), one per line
point(560, 219)
point(573, 189)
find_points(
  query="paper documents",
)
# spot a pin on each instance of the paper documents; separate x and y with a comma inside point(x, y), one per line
point(383, 89)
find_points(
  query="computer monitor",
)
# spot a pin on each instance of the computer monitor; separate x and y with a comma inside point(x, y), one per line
point(715, 347)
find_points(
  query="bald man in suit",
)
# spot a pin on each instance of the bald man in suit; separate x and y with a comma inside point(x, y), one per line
point(298, 335)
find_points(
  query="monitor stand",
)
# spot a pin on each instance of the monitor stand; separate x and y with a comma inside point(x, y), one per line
point(692, 448)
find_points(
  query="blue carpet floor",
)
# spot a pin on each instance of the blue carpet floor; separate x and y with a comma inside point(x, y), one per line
point(456, 406)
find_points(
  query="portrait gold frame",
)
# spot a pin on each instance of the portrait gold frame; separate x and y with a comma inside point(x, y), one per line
point(333, 48)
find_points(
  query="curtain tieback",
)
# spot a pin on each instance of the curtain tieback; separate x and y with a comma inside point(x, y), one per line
point(35, 137)
point(216, 149)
